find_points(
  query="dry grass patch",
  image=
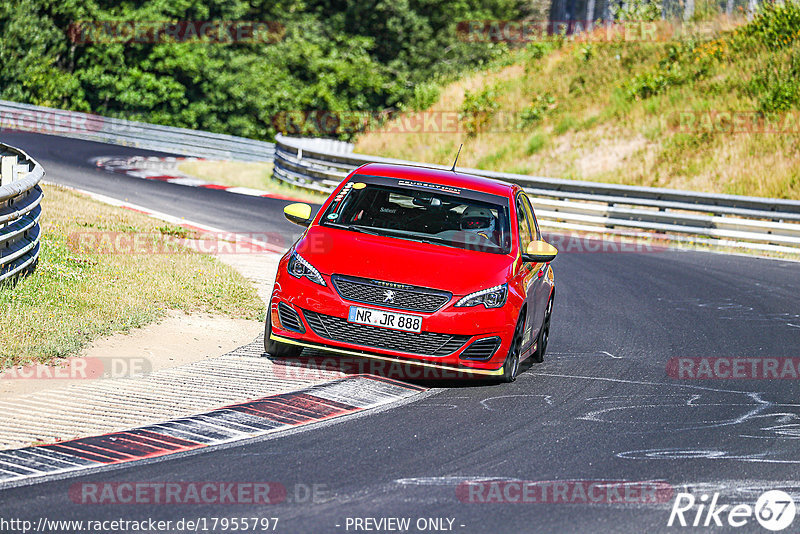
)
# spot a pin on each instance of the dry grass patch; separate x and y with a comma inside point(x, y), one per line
point(606, 111)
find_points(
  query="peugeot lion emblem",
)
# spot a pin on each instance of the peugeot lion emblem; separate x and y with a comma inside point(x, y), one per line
point(388, 296)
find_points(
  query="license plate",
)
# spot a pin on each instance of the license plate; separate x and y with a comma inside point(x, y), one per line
point(385, 319)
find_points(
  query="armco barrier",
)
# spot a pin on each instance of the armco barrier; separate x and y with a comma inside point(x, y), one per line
point(20, 210)
point(707, 218)
point(25, 117)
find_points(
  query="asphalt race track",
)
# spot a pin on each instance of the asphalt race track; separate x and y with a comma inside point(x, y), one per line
point(602, 406)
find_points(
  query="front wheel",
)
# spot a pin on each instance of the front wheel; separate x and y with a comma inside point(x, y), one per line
point(276, 348)
point(511, 365)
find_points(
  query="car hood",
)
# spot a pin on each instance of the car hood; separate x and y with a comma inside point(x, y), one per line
point(338, 251)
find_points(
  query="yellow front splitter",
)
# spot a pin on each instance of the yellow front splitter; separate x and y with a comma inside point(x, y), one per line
point(467, 370)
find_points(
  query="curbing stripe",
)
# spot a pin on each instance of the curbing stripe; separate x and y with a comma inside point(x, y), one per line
point(133, 167)
point(29, 460)
point(55, 456)
point(224, 425)
point(177, 430)
point(81, 455)
point(161, 438)
point(17, 469)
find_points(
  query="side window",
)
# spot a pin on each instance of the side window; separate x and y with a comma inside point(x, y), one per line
point(524, 226)
point(532, 217)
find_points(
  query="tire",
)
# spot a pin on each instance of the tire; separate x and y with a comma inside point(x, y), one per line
point(275, 348)
point(511, 365)
point(544, 334)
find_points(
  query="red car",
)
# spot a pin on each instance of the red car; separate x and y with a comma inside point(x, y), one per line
point(439, 268)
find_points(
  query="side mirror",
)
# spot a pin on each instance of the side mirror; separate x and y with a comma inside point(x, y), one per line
point(540, 252)
point(298, 213)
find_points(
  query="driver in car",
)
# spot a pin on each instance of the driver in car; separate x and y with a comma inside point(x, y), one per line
point(478, 221)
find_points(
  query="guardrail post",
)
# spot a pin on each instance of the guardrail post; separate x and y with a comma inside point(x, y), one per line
point(8, 170)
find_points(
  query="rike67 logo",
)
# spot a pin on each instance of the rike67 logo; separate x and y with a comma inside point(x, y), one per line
point(774, 510)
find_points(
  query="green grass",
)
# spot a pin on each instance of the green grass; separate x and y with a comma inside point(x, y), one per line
point(609, 111)
point(79, 293)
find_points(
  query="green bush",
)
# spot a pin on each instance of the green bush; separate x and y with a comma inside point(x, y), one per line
point(775, 25)
point(635, 10)
point(536, 50)
point(777, 87)
point(537, 110)
point(477, 110)
point(424, 96)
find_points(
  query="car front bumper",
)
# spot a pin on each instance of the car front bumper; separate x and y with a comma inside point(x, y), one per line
point(305, 299)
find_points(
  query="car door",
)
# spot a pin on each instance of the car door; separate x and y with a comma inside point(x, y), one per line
point(526, 271)
point(541, 287)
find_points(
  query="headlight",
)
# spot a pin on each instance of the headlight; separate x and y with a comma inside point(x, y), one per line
point(494, 297)
point(299, 267)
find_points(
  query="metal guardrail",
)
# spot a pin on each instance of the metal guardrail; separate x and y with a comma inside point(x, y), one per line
point(707, 218)
point(20, 210)
point(26, 117)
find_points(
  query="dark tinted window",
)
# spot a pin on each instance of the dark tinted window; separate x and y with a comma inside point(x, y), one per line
point(436, 217)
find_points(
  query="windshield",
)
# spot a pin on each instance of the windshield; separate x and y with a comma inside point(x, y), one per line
point(453, 220)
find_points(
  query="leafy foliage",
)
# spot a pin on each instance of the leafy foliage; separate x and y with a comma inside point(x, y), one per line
point(635, 10)
point(777, 87)
point(540, 105)
point(477, 110)
point(775, 24)
point(334, 56)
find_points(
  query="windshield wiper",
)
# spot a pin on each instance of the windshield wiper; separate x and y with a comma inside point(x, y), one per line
point(353, 227)
point(423, 238)
point(430, 239)
point(433, 240)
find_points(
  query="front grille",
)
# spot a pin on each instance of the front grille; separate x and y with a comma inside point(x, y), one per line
point(289, 318)
point(425, 343)
point(389, 294)
point(483, 349)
